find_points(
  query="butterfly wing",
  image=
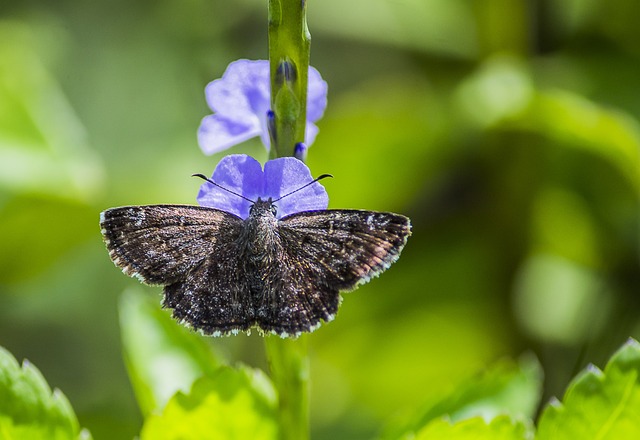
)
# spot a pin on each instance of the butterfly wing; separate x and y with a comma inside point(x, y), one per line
point(188, 249)
point(326, 252)
point(214, 297)
point(159, 244)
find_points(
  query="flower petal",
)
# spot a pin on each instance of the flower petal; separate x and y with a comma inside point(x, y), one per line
point(287, 174)
point(316, 95)
point(310, 133)
point(217, 133)
point(241, 99)
point(240, 174)
point(242, 92)
point(265, 137)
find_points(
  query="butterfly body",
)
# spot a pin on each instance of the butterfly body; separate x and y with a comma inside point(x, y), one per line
point(222, 274)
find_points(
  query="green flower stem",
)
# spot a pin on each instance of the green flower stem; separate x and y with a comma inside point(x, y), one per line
point(289, 42)
point(289, 365)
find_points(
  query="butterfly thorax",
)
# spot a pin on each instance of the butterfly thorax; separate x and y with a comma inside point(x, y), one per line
point(260, 226)
point(261, 246)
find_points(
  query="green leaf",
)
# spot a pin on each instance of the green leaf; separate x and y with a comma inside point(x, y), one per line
point(508, 388)
point(500, 428)
point(599, 405)
point(232, 404)
point(28, 408)
point(161, 355)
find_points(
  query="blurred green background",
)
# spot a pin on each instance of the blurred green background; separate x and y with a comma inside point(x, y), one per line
point(508, 130)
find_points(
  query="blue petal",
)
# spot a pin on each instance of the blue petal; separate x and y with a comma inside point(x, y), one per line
point(243, 175)
point(264, 132)
point(240, 174)
point(310, 133)
point(316, 96)
point(217, 133)
point(240, 101)
point(287, 174)
point(242, 92)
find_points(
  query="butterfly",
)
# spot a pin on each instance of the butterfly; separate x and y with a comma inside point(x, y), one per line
point(223, 274)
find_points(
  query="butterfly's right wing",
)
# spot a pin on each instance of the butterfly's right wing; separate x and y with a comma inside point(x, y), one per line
point(326, 252)
point(191, 251)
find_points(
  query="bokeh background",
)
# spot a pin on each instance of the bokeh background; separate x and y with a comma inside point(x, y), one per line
point(508, 130)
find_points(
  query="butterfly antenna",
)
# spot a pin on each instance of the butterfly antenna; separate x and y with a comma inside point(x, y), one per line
point(323, 176)
point(205, 178)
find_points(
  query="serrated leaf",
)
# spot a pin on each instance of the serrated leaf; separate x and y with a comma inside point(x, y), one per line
point(232, 404)
point(28, 408)
point(507, 388)
point(599, 405)
point(162, 356)
point(500, 428)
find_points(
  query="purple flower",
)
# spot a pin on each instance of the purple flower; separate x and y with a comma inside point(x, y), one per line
point(240, 101)
point(243, 175)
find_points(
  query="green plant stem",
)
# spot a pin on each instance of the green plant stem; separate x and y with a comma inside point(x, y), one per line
point(289, 44)
point(289, 364)
point(289, 41)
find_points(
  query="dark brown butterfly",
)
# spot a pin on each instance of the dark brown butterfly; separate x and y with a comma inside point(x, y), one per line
point(222, 274)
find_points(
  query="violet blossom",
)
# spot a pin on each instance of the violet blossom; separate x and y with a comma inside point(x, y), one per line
point(244, 175)
point(240, 101)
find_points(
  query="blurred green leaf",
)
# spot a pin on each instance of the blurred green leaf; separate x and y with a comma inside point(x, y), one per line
point(602, 405)
point(162, 356)
point(559, 300)
point(498, 90)
point(562, 225)
point(507, 388)
point(500, 93)
point(232, 404)
point(575, 121)
point(28, 408)
point(500, 428)
point(43, 145)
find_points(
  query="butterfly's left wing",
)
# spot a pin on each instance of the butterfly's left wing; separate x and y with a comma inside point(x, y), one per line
point(327, 252)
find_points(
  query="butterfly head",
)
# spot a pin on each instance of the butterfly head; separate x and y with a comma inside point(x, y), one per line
point(261, 207)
